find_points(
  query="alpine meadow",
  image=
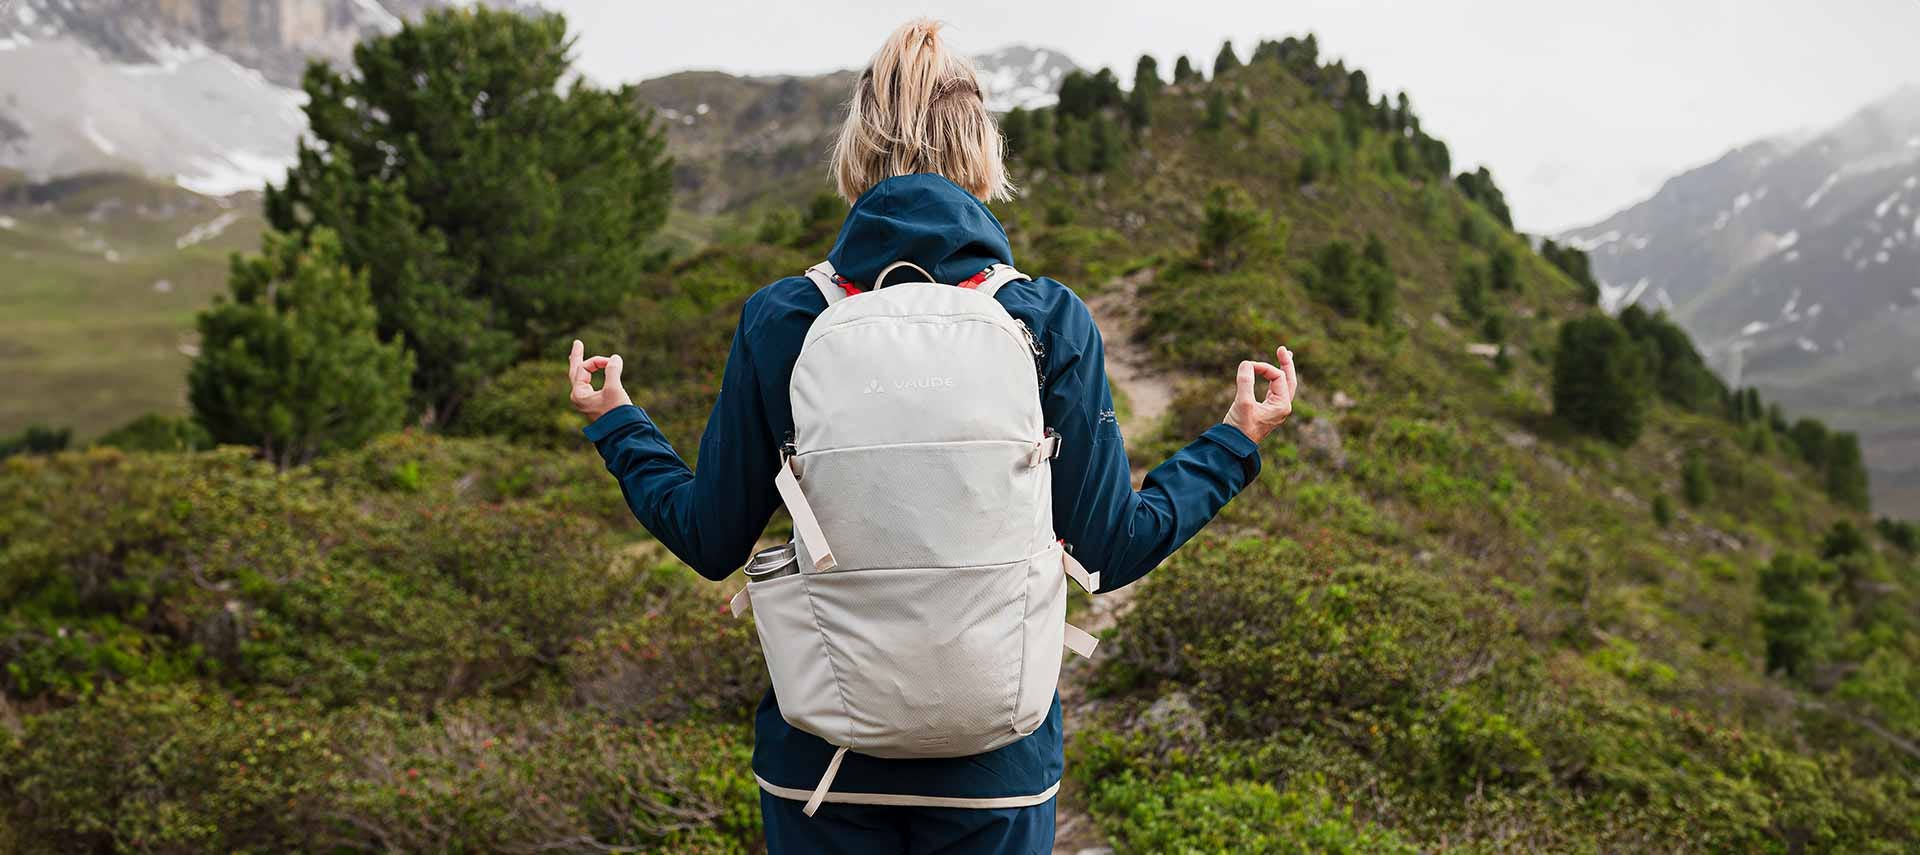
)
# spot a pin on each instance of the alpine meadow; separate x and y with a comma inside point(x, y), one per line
point(1517, 576)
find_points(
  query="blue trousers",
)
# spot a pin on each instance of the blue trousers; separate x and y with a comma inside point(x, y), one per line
point(879, 830)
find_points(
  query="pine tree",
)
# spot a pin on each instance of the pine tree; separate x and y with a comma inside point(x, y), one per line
point(1696, 484)
point(1505, 270)
point(1846, 470)
point(1470, 287)
point(1216, 110)
point(1231, 228)
point(1225, 61)
point(1357, 93)
point(1599, 379)
point(292, 363)
point(1183, 71)
point(1017, 127)
point(1074, 152)
point(1479, 187)
point(1107, 150)
point(1146, 75)
point(494, 201)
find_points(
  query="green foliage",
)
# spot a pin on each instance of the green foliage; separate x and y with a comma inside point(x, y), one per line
point(1904, 534)
point(1795, 614)
point(1082, 95)
point(1679, 372)
point(1479, 187)
point(1074, 151)
point(526, 404)
point(1185, 815)
point(1503, 271)
point(1470, 288)
point(1233, 230)
point(1575, 264)
point(36, 439)
point(1695, 482)
point(1357, 286)
point(293, 363)
point(1183, 71)
point(1599, 379)
point(1662, 510)
point(1846, 470)
point(181, 769)
point(1216, 110)
point(493, 203)
point(155, 432)
point(1226, 60)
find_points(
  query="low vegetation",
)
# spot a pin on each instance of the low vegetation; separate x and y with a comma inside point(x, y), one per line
point(1473, 603)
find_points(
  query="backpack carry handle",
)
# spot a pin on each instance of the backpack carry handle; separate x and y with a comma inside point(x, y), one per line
point(881, 280)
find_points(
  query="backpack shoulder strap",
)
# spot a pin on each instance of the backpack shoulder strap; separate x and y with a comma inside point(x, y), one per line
point(998, 275)
point(829, 283)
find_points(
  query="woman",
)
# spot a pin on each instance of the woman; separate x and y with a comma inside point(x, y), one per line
point(918, 157)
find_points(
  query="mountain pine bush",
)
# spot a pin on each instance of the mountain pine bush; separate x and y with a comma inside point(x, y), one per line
point(293, 362)
point(1600, 379)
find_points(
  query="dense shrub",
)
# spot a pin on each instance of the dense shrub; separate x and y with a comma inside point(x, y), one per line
point(35, 439)
point(155, 432)
point(1179, 814)
point(1354, 284)
point(1233, 230)
point(526, 404)
point(1795, 614)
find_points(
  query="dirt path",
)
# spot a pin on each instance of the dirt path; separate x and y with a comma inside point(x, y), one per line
point(1148, 393)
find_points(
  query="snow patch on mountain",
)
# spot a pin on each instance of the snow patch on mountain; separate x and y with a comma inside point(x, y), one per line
point(1824, 187)
point(1022, 76)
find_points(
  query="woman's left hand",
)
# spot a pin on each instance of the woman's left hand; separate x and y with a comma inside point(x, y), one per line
point(590, 402)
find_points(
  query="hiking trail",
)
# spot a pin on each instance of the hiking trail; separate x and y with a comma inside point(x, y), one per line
point(1149, 393)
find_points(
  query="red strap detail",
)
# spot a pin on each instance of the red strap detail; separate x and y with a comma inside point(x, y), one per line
point(977, 279)
point(846, 285)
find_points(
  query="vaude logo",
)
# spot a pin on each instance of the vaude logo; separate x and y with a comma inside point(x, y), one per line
point(875, 387)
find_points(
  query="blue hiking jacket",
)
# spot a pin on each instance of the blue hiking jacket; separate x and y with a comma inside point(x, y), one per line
point(712, 518)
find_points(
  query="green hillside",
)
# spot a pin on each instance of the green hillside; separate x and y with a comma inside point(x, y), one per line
point(102, 277)
point(1442, 619)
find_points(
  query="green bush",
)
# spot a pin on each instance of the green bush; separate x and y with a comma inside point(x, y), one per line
point(1186, 815)
point(526, 404)
point(35, 439)
point(155, 432)
point(1795, 614)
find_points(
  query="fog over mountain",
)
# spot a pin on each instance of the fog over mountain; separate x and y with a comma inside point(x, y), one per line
point(1795, 264)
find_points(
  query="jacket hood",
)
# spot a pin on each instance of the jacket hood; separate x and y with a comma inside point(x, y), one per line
point(923, 218)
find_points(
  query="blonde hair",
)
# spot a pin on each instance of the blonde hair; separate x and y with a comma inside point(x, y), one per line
point(918, 108)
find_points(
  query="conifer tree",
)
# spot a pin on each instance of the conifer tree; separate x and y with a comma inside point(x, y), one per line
point(1183, 71)
point(494, 201)
point(292, 363)
point(1226, 60)
point(1146, 75)
point(1017, 127)
point(1600, 379)
point(1216, 110)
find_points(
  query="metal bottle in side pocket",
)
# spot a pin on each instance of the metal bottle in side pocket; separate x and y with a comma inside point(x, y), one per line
point(772, 563)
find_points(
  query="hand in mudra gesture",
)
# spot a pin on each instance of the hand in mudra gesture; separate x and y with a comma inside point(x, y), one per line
point(1257, 417)
point(594, 403)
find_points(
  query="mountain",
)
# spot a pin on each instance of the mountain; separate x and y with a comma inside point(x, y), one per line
point(1795, 264)
point(739, 142)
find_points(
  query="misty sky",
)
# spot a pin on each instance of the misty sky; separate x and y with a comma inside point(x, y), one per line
point(1580, 108)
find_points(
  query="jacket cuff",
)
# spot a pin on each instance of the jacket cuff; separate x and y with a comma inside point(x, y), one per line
point(1236, 443)
point(616, 422)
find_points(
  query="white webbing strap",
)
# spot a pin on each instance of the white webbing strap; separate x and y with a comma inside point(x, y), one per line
point(1090, 582)
point(1044, 450)
point(1001, 275)
point(822, 275)
point(805, 525)
point(826, 783)
point(1079, 641)
point(740, 603)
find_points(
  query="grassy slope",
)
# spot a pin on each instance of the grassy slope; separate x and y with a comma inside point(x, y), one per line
point(86, 339)
point(1456, 481)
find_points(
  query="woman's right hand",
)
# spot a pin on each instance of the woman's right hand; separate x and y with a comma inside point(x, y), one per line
point(1257, 417)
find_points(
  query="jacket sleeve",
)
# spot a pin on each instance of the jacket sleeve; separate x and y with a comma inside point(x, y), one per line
point(710, 518)
point(1110, 527)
